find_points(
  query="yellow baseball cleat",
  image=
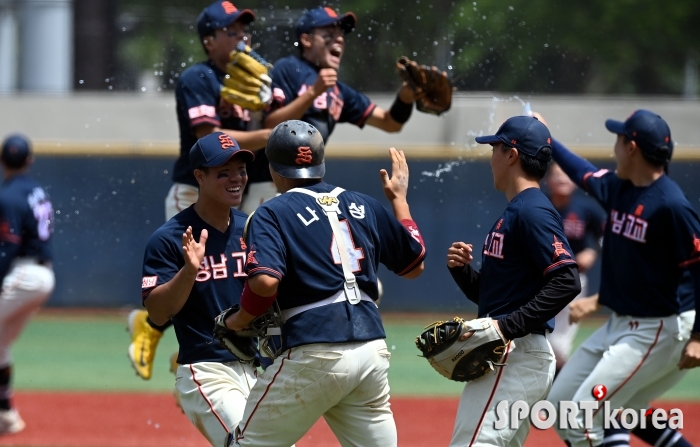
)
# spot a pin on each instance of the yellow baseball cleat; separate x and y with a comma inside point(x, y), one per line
point(144, 340)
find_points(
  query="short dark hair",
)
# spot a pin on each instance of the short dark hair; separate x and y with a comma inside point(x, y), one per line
point(654, 161)
point(533, 167)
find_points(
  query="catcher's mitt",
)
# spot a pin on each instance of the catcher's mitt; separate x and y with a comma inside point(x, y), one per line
point(247, 81)
point(432, 87)
point(242, 344)
point(466, 360)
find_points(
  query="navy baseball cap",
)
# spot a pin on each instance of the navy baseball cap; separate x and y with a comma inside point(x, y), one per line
point(15, 150)
point(215, 150)
point(649, 131)
point(525, 133)
point(220, 15)
point(324, 16)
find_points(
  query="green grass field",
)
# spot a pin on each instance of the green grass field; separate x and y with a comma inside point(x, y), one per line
point(87, 352)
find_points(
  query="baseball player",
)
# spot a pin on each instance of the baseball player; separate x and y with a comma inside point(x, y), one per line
point(192, 270)
point(527, 276)
point(201, 111)
point(651, 236)
point(306, 87)
point(583, 227)
point(26, 224)
point(315, 250)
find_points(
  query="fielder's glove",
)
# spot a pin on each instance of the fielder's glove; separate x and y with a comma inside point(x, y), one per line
point(247, 81)
point(432, 87)
point(242, 344)
point(466, 360)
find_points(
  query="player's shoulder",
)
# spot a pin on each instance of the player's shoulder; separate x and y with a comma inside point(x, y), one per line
point(532, 204)
point(196, 74)
point(239, 217)
point(672, 196)
point(172, 230)
point(288, 64)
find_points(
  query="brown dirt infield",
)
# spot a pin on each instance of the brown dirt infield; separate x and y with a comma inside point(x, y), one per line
point(152, 420)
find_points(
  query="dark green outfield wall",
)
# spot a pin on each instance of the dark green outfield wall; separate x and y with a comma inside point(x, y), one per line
point(107, 207)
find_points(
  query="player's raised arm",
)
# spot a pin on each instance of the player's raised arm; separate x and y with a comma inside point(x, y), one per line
point(396, 191)
point(167, 299)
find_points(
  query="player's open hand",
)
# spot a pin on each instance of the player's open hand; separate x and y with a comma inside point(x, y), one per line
point(396, 186)
point(459, 254)
point(192, 250)
point(691, 355)
point(327, 78)
point(583, 307)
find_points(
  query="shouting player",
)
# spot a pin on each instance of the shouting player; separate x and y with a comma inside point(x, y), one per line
point(192, 270)
point(201, 111)
point(306, 87)
point(315, 250)
point(26, 223)
point(528, 275)
point(651, 236)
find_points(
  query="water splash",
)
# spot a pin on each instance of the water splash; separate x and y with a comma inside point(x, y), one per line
point(469, 149)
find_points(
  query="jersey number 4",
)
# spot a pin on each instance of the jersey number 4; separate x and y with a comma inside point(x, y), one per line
point(356, 254)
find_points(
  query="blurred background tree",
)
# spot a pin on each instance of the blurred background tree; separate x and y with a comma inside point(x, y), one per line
point(577, 46)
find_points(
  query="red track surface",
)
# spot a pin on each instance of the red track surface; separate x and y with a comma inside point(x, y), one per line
point(152, 420)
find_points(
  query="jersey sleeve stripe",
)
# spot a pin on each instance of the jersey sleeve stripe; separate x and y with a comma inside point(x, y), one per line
point(204, 120)
point(689, 262)
point(366, 115)
point(557, 264)
point(413, 265)
point(258, 270)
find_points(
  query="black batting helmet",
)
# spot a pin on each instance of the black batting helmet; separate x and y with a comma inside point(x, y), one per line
point(295, 150)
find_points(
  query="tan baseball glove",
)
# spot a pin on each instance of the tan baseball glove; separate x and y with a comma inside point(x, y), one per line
point(247, 81)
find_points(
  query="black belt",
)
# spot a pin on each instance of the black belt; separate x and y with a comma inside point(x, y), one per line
point(539, 332)
point(43, 262)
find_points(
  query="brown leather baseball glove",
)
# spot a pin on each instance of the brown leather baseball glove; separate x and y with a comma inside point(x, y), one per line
point(432, 87)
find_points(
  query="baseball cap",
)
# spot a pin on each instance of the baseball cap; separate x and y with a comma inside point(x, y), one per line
point(525, 133)
point(15, 150)
point(215, 150)
point(324, 16)
point(219, 15)
point(649, 131)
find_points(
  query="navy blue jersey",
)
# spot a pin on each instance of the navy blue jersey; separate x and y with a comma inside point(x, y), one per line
point(289, 237)
point(652, 234)
point(218, 286)
point(524, 245)
point(26, 222)
point(291, 77)
point(583, 223)
point(198, 97)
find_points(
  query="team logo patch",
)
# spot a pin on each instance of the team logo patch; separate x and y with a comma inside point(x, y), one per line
point(251, 257)
point(149, 281)
point(331, 12)
point(243, 245)
point(226, 142)
point(559, 249)
point(304, 156)
point(327, 200)
point(228, 7)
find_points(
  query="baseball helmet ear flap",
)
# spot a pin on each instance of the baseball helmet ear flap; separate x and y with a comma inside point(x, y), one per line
point(295, 149)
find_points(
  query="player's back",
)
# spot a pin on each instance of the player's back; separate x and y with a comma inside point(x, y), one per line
point(291, 238)
point(26, 217)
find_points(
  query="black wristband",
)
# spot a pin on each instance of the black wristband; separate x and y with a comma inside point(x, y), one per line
point(400, 111)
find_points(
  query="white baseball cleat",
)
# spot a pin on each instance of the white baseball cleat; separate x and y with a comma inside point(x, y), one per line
point(10, 422)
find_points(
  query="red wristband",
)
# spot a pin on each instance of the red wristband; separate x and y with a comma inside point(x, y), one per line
point(413, 229)
point(255, 304)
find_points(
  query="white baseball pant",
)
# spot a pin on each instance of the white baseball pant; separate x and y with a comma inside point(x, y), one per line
point(346, 383)
point(180, 196)
point(25, 288)
point(527, 376)
point(562, 338)
point(257, 193)
point(213, 396)
point(627, 355)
